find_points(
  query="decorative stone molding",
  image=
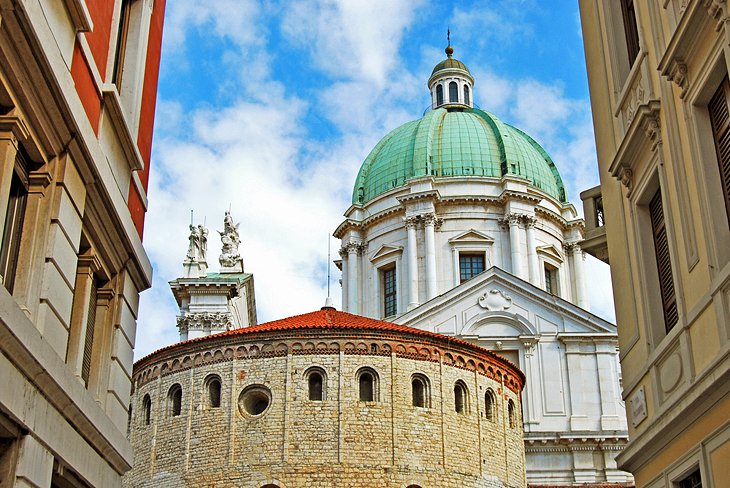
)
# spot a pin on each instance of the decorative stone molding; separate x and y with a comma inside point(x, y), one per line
point(205, 320)
point(495, 300)
point(513, 218)
point(411, 222)
point(529, 221)
point(353, 247)
point(678, 76)
point(717, 9)
point(626, 176)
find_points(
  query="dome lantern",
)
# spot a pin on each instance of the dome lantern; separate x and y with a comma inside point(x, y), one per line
point(451, 83)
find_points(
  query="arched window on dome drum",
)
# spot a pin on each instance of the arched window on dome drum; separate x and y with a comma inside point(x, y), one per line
point(453, 92)
point(315, 384)
point(420, 391)
point(367, 381)
point(439, 95)
point(147, 409)
point(213, 387)
point(461, 398)
point(490, 409)
point(174, 400)
point(466, 95)
point(512, 414)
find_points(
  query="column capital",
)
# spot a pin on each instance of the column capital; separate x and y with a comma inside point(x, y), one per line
point(354, 247)
point(411, 222)
point(513, 218)
point(529, 221)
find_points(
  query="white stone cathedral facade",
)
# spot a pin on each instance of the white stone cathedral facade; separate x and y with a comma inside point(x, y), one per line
point(459, 225)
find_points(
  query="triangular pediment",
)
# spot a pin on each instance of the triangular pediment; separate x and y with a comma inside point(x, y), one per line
point(384, 251)
point(472, 236)
point(550, 251)
point(497, 301)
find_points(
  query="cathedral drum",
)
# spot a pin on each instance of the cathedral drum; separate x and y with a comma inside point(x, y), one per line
point(326, 399)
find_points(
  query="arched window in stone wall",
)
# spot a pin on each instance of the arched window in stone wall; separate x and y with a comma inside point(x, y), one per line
point(174, 400)
point(512, 414)
point(439, 95)
point(420, 391)
point(367, 382)
point(461, 398)
point(490, 405)
point(453, 92)
point(213, 390)
point(316, 384)
point(271, 485)
point(466, 94)
point(146, 409)
point(413, 486)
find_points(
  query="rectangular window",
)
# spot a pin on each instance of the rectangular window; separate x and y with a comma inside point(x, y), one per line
point(390, 302)
point(122, 36)
point(551, 280)
point(630, 29)
point(470, 265)
point(664, 264)
point(692, 481)
point(90, 326)
point(720, 119)
point(13, 227)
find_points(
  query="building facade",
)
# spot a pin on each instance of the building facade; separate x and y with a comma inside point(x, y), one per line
point(78, 84)
point(459, 225)
point(326, 399)
point(658, 77)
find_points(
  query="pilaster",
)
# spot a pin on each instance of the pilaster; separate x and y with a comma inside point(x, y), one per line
point(411, 250)
point(429, 223)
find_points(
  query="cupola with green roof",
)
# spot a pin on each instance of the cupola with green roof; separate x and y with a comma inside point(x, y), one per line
point(455, 139)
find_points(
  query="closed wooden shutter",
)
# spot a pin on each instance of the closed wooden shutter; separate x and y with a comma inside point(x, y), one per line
point(720, 119)
point(664, 263)
point(89, 340)
point(630, 29)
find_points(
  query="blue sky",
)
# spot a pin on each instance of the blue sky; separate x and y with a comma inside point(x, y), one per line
point(270, 107)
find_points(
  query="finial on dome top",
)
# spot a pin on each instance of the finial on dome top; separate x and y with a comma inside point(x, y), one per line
point(449, 50)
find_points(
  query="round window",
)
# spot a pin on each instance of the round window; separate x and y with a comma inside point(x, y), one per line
point(254, 400)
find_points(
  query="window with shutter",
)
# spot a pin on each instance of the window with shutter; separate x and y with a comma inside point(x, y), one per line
point(10, 249)
point(630, 29)
point(89, 340)
point(720, 120)
point(664, 263)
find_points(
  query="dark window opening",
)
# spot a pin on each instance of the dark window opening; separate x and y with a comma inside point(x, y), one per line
point(13, 226)
point(694, 480)
point(214, 392)
point(630, 29)
point(90, 326)
point(720, 120)
point(147, 409)
point(460, 398)
point(122, 37)
point(663, 261)
point(316, 387)
point(551, 280)
point(390, 301)
point(512, 414)
point(470, 265)
point(366, 381)
point(466, 95)
point(439, 95)
point(175, 400)
point(490, 405)
point(419, 392)
point(453, 92)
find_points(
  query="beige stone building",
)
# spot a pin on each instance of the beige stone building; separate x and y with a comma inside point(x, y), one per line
point(658, 76)
point(326, 399)
point(78, 82)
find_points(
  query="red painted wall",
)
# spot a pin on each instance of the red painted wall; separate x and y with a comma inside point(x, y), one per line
point(101, 12)
point(147, 110)
point(86, 87)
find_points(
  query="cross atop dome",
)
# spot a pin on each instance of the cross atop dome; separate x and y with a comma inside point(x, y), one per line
point(451, 84)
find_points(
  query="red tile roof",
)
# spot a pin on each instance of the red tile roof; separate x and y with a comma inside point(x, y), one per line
point(330, 318)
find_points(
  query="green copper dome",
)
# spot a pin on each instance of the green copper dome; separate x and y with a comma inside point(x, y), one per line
point(455, 143)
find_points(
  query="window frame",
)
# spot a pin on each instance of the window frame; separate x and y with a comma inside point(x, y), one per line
point(439, 94)
point(366, 370)
point(146, 409)
point(426, 392)
point(464, 410)
point(490, 405)
point(455, 98)
point(388, 306)
point(308, 386)
point(174, 405)
point(471, 254)
point(14, 220)
point(207, 383)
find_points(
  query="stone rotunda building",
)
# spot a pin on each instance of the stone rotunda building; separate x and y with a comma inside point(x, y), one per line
point(460, 225)
point(326, 399)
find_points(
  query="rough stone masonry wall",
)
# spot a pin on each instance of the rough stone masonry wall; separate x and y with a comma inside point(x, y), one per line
point(340, 441)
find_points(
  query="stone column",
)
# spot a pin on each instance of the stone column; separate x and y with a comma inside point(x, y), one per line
point(529, 394)
point(580, 282)
point(412, 263)
point(429, 224)
point(514, 243)
point(608, 384)
point(345, 278)
point(532, 262)
point(353, 277)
